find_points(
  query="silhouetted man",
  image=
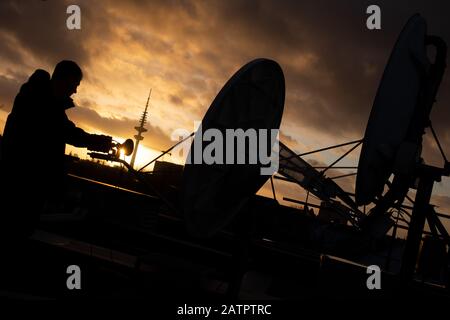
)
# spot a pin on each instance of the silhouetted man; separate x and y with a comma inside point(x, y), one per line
point(33, 146)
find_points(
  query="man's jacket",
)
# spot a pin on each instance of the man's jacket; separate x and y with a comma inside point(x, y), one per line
point(36, 133)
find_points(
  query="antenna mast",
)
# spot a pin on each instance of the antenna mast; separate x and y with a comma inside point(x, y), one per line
point(140, 129)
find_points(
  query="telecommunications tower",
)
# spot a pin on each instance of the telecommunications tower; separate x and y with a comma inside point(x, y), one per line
point(140, 129)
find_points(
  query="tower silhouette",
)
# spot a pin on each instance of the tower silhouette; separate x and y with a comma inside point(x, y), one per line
point(140, 129)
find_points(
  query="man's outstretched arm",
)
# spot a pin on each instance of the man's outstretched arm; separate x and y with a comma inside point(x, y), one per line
point(80, 138)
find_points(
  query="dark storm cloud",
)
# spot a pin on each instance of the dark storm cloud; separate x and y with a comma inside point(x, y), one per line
point(40, 27)
point(334, 91)
point(123, 127)
point(350, 63)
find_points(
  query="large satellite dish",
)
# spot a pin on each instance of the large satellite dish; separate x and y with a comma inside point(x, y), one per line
point(393, 110)
point(393, 139)
point(213, 194)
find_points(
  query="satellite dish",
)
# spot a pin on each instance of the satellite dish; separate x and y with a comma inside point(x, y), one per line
point(214, 193)
point(391, 120)
point(393, 139)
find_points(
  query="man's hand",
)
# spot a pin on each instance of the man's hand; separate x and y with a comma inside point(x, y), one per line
point(100, 143)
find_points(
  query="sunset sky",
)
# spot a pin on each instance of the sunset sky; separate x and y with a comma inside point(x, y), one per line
point(187, 50)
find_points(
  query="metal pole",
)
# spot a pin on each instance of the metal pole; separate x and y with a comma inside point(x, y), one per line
point(340, 158)
point(438, 143)
point(301, 202)
point(393, 237)
point(285, 179)
point(273, 188)
point(167, 151)
point(324, 149)
point(307, 197)
point(328, 167)
point(416, 225)
point(343, 176)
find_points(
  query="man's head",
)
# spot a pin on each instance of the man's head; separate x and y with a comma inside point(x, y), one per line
point(66, 78)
